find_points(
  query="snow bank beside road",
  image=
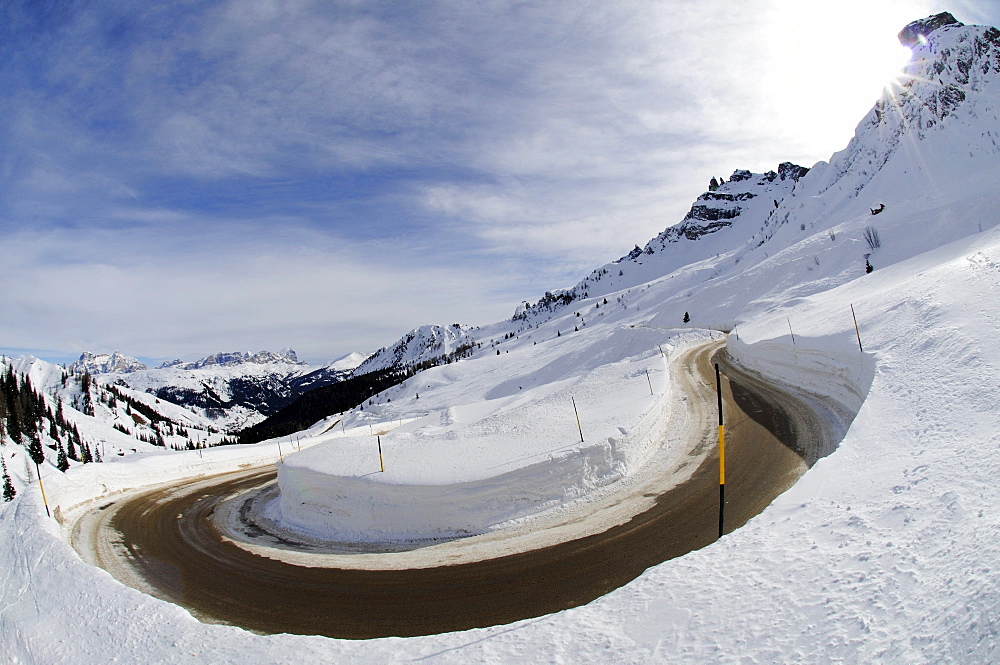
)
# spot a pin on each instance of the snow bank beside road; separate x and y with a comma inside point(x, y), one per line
point(466, 468)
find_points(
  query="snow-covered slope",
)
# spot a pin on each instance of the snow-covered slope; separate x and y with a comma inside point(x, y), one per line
point(882, 551)
point(111, 423)
point(425, 345)
point(722, 219)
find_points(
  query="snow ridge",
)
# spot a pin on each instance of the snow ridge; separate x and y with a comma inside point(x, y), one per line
point(285, 356)
point(425, 344)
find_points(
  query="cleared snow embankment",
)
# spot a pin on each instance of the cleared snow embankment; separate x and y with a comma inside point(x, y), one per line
point(467, 469)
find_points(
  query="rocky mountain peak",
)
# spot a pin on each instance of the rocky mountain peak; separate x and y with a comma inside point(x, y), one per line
point(233, 358)
point(915, 33)
point(102, 363)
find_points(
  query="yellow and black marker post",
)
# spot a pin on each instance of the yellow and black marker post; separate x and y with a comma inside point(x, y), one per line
point(722, 453)
point(380, 463)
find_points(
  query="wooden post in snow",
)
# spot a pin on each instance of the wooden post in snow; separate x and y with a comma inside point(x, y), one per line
point(856, 329)
point(578, 426)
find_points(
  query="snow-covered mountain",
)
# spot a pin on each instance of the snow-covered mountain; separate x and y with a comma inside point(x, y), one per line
point(428, 344)
point(111, 420)
point(230, 359)
point(876, 555)
point(233, 389)
point(103, 363)
point(723, 218)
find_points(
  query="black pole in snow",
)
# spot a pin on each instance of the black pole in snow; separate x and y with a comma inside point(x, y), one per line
point(722, 453)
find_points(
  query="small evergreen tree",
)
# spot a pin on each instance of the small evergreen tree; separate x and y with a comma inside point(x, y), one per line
point(687, 318)
point(8, 485)
point(35, 450)
point(61, 462)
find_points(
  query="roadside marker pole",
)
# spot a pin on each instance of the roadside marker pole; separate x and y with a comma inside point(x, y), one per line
point(380, 462)
point(280, 458)
point(722, 453)
point(41, 486)
point(578, 426)
point(790, 331)
point(650, 381)
point(858, 331)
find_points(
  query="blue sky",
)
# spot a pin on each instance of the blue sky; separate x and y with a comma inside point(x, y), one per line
point(181, 178)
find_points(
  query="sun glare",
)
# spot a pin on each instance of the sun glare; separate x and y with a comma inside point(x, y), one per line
point(838, 62)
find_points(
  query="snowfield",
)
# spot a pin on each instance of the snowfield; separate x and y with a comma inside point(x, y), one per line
point(884, 551)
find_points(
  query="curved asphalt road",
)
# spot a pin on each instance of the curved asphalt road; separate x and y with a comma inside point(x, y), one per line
point(173, 544)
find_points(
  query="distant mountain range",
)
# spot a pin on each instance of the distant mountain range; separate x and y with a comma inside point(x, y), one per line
point(234, 389)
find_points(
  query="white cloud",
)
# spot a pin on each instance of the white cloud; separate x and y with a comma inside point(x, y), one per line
point(230, 287)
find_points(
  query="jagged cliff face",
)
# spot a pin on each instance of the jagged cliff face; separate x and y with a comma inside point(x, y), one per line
point(230, 359)
point(745, 195)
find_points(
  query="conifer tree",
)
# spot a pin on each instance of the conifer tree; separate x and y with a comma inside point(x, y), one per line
point(35, 450)
point(8, 486)
point(71, 449)
point(687, 318)
point(61, 462)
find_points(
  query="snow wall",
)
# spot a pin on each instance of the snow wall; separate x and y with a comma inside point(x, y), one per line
point(371, 508)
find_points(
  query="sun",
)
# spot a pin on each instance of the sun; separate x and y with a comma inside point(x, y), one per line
point(838, 58)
